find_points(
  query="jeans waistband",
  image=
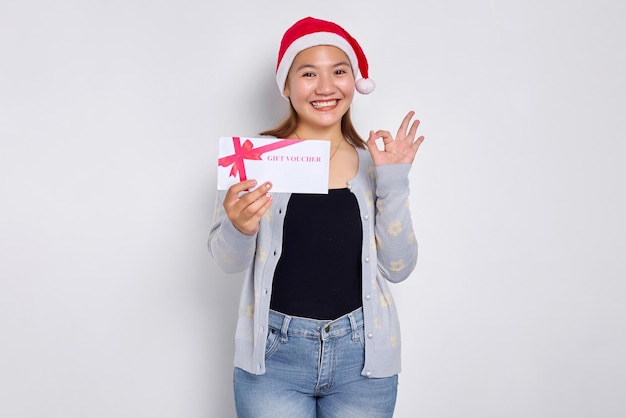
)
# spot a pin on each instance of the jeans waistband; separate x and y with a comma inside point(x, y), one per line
point(317, 328)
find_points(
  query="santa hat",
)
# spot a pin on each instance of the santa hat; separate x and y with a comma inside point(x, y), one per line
point(309, 32)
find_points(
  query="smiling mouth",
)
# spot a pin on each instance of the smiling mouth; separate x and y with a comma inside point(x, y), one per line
point(326, 103)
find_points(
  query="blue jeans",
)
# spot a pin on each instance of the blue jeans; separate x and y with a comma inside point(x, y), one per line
point(313, 369)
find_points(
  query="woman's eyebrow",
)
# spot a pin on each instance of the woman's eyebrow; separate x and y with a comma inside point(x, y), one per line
point(313, 66)
point(342, 63)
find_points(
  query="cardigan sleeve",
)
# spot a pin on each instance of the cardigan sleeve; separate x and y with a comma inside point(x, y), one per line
point(231, 249)
point(395, 239)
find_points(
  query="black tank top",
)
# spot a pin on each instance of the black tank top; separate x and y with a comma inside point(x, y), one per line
point(319, 272)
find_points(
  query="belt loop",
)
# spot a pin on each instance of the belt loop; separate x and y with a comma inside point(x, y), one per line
point(283, 330)
point(355, 329)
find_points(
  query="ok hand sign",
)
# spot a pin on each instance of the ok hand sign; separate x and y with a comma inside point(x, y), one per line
point(400, 150)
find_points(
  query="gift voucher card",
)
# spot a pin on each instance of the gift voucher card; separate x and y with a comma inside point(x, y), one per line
point(292, 165)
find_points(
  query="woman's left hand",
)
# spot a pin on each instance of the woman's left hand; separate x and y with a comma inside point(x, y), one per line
point(400, 150)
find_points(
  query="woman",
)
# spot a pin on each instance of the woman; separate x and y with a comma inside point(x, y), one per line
point(318, 334)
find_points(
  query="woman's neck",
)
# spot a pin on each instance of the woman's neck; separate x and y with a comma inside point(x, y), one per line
point(332, 134)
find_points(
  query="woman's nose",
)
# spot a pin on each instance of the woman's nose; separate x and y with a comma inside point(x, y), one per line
point(325, 85)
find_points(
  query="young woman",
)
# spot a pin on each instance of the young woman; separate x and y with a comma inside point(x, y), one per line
point(318, 333)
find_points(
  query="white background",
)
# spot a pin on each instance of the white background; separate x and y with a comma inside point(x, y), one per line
point(110, 111)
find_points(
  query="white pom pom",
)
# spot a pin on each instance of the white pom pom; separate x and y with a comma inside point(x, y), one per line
point(365, 85)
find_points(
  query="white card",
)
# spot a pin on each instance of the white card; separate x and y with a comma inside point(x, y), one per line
point(292, 165)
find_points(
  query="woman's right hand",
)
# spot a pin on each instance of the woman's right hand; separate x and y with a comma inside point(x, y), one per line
point(245, 208)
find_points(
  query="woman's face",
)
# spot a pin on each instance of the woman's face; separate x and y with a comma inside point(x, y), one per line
point(320, 86)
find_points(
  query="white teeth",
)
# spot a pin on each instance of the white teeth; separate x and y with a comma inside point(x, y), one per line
point(324, 104)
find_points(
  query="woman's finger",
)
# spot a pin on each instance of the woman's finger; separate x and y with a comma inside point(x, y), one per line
point(404, 125)
point(415, 145)
point(413, 130)
point(236, 189)
point(371, 144)
point(384, 135)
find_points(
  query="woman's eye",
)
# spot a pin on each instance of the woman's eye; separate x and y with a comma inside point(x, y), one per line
point(340, 72)
point(307, 75)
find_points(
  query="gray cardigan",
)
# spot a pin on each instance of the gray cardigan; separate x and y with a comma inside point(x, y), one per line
point(389, 253)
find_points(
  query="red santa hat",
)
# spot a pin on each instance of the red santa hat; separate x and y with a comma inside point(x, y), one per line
point(309, 32)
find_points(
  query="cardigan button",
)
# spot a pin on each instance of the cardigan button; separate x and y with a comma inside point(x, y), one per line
point(370, 335)
point(368, 297)
point(367, 259)
point(368, 373)
point(366, 217)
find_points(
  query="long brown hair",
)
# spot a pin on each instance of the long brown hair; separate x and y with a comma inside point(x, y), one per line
point(288, 127)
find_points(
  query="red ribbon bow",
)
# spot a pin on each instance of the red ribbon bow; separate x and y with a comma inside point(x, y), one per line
point(247, 152)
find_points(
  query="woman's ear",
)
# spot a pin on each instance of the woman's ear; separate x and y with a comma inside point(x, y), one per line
point(286, 88)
